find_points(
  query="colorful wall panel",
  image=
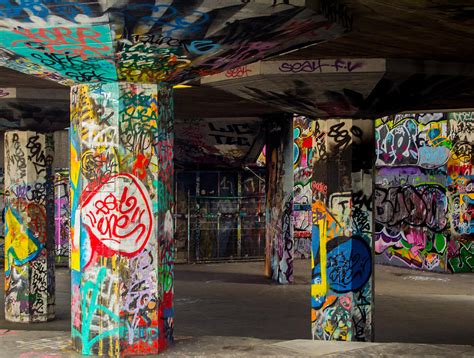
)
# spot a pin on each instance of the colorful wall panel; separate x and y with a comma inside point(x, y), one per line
point(423, 191)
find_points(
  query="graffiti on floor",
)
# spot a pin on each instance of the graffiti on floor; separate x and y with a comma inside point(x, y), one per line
point(122, 230)
point(423, 191)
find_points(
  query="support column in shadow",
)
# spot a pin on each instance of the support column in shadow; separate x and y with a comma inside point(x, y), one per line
point(279, 247)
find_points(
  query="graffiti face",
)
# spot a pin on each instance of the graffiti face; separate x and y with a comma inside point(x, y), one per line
point(119, 221)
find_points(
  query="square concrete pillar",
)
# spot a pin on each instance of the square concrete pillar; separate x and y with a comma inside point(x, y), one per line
point(29, 241)
point(342, 231)
point(62, 217)
point(121, 218)
point(279, 247)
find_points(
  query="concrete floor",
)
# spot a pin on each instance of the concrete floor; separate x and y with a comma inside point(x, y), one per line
point(234, 301)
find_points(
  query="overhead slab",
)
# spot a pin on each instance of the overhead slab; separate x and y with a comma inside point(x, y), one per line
point(349, 87)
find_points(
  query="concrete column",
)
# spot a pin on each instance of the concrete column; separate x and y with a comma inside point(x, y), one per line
point(342, 254)
point(29, 245)
point(2, 214)
point(62, 217)
point(279, 243)
point(121, 222)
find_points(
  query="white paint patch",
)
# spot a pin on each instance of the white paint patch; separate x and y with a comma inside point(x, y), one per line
point(425, 278)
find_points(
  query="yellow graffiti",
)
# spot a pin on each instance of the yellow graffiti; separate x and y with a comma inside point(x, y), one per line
point(74, 190)
point(329, 228)
point(19, 247)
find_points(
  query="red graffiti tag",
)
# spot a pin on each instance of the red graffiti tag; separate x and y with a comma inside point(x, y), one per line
point(118, 220)
point(238, 72)
point(81, 41)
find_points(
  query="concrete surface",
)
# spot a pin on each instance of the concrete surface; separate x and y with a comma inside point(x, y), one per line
point(50, 344)
point(231, 310)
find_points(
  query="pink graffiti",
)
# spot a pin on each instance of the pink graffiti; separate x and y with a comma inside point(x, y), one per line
point(118, 220)
point(6, 332)
point(417, 238)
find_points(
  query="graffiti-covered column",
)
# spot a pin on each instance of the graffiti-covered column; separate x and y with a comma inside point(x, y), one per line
point(62, 216)
point(342, 255)
point(279, 250)
point(29, 241)
point(121, 223)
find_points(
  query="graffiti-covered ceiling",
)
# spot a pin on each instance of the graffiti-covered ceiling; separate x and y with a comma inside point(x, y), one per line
point(218, 142)
point(349, 87)
point(150, 41)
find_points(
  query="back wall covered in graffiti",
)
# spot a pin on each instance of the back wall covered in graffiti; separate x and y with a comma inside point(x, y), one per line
point(424, 199)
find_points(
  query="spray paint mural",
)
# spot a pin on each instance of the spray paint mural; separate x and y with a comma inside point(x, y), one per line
point(423, 191)
point(152, 41)
point(62, 215)
point(2, 216)
point(302, 165)
point(29, 241)
point(279, 249)
point(217, 142)
point(122, 227)
point(341, 251)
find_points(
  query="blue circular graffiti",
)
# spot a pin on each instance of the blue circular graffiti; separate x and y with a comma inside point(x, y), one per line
point(349, 263)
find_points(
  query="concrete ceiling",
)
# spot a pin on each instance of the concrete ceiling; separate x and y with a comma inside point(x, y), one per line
point(350, 88)
point(427, 46)
point(218, 142)
point(404, 29)
point(439, 30)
